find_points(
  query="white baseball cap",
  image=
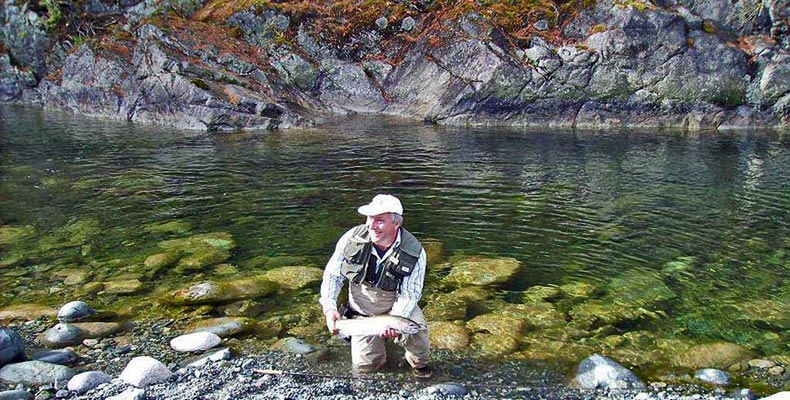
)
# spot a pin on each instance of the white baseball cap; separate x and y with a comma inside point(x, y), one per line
point(382, 203)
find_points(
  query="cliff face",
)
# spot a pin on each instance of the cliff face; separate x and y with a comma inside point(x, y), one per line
point(693, 64)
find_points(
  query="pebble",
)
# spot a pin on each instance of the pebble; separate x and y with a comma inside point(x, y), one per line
point(75, 311)
point(15, 395)
point(61, 356)
point(12, 346)
point(62, 335)
point(777, 370)
point(197, 341)
point(86, 381)
point(129, 394)
point(221, 354)
point(35, 373)
point(714, 376)
point(143, 371)
point(447, 389)
point(762, 364)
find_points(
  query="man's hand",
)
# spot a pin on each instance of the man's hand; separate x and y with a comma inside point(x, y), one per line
point(331, 317)
point(389, 334)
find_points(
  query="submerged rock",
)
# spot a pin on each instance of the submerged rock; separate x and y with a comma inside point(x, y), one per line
point(480, 271)
point(295, 277)
point(211, 292)
point(712, 355)
point(493, 346)
point(223, 327)
point(448, 335)
point(498, 325)
point(26, 312)
point(10, 234)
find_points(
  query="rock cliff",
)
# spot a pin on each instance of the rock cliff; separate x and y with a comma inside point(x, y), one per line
point(693, 64)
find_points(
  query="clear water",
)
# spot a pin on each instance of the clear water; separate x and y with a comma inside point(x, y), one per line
point(571, 206)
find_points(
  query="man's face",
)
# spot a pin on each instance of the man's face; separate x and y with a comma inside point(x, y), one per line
point(382, 230)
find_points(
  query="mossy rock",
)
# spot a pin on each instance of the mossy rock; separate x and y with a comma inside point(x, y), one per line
point(597, 313)
point(223, 327)
point(14, 234)
point(538, 294)
point(555, 350)
point(217, 240)
point(71, 235)
point(493, 346)
point(579, 290)
point(481, 271)
point(712, 355)
point(498, 324)
point(123, 287)
point(158, 261)
point(98, 330)
point(26, 312)
point(445, 307)
point(295, 277)
point(76, 277)
point(202, 258)
point(434, 250)
point(540, 315)
point(211, 292)
point(258, 262)
point(284, 261)
point(225, 269)
point(637, 288)
point(773, 314)
point(448, 335)
point(168, 227)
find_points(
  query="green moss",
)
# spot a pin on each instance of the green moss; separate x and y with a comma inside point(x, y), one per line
point(708, 27)
point(598, 28)
point(201, 84)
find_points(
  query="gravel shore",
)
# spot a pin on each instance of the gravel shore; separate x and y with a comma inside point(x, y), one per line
point(261, 373)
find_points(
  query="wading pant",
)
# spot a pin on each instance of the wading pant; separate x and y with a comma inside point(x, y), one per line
point(368, 352)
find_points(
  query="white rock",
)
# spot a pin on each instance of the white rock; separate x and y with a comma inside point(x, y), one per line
point(778, 396)
point(197, 341)
point(86, 381)
point(222, 354)
point(143, 371)
point(129, 394)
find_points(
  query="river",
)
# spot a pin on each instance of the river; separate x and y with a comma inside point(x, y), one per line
point(687, 232)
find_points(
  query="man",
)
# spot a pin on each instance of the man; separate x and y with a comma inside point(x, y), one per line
point(385, 267)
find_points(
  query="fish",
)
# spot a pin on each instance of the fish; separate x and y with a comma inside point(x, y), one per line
point(376, 325)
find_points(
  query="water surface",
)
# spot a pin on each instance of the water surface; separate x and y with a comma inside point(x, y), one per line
point(706, 214)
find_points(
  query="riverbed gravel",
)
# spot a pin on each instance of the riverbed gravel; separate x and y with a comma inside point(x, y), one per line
point(263, 374)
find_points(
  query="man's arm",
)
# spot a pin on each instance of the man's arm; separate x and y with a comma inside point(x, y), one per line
point(411, 289)
point(332, 283)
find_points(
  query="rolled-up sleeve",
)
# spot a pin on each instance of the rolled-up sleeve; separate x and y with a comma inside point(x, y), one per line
point(411, 289)
point(333, 280)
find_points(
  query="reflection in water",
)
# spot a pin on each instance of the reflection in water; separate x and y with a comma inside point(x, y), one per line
point(691, 229)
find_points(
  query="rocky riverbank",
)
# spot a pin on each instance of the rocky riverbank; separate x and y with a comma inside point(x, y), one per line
point(156, 359)
point(218, 65)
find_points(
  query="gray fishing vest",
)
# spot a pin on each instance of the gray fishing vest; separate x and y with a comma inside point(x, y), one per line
point(359, 269)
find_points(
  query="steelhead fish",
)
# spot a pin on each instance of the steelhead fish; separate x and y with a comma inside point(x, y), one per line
point(369, 326)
